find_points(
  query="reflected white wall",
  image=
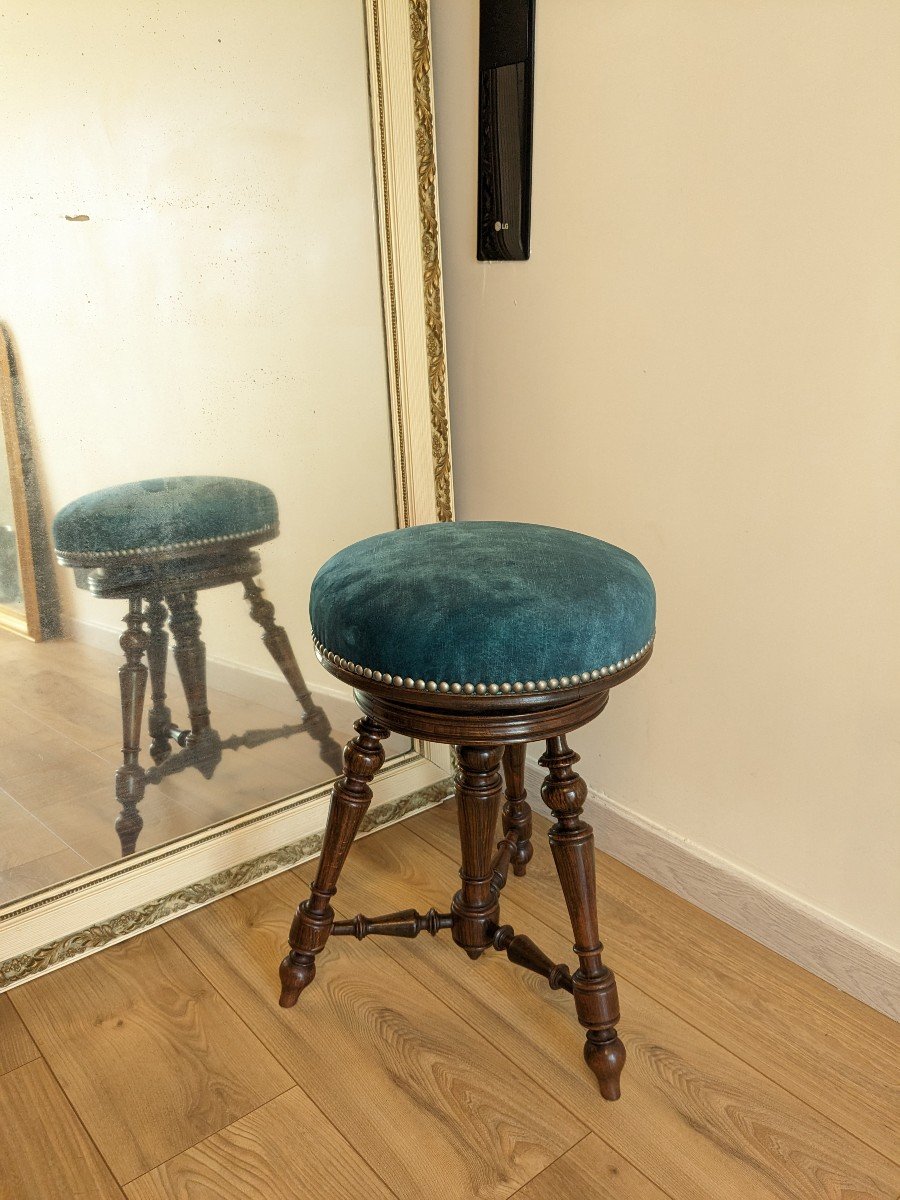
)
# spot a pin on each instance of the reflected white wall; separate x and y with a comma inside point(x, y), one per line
point(220, 311)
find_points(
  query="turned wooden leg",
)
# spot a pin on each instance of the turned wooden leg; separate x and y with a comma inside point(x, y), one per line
point(160, 719)
point(350, 798)
point(475, 906)
point(276, 641)
point(517, 810)
point(133, 687)
point(190, 658)
point(593, 984)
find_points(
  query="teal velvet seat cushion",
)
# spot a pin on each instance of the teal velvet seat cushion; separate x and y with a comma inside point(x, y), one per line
point(161, 514)
point(488, 604)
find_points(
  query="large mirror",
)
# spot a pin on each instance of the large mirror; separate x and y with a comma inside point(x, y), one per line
point(205, 214)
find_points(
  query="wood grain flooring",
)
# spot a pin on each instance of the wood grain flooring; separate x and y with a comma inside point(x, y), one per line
point(44, 1149)
point(16, 1044)
point(732, 988)
point(163, 1068)
point(261, 1156)
point(150, 1055)
point(371, 1030)
point(591, 1169)
point(756, 1139)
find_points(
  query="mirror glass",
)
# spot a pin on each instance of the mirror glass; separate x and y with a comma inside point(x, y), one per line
point(190, 286)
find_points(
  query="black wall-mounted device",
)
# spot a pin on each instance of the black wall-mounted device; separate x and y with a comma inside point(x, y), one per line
point(505, 119)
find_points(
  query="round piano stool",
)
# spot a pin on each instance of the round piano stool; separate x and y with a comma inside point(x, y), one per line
point(485, 636)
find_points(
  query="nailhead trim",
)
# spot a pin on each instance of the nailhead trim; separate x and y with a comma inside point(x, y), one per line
point(92, 555)
point(480, 689)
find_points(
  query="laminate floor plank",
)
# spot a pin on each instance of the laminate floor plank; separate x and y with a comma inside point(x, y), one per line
point(23, 837)
point(17, 883)
point(45, 1152)
point(66, 701)
point(150, 1056)
point(44, 750)
point(60, 745)
point(285, 1150)
point(593, 1171)
point(429, 1104)
point(694, 1118)
point(16, 1044)
point(833, 1052)
point(88, 823)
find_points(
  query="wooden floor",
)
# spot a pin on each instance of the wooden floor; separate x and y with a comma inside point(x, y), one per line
point(60, 744)
point(163, 1068)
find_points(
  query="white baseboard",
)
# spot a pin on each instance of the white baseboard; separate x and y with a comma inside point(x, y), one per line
point(841, 955)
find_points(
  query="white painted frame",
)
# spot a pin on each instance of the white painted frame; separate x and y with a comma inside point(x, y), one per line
point(50, 928)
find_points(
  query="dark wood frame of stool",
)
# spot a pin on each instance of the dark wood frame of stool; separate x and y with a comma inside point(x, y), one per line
point(169, 581)
point(483, 730)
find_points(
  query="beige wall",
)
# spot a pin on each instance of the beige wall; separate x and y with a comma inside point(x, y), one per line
point(220, 311)
point(701, 363)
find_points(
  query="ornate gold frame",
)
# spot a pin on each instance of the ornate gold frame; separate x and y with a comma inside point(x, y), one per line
point(53, 927)
point(28, 515)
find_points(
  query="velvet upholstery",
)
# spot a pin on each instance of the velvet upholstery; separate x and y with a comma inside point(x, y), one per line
point(160, 513)
point(487, 602)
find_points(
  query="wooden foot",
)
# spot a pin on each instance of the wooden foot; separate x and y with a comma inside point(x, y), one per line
point(606, 1058)
point(277, 642)
point(350, 798)
point(475, 906)
point(593, 984)
point(160, 718)
point(517, 810)
point(133, 687)
point(190, 658)
point(296, 972)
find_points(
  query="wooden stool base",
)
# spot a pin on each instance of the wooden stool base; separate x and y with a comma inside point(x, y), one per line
point(473, 920)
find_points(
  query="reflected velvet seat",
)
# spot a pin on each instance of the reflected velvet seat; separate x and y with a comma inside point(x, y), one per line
point(487, 636)
point(160, 541)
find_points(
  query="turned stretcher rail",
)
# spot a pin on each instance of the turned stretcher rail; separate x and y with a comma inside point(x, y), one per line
point(406, 924)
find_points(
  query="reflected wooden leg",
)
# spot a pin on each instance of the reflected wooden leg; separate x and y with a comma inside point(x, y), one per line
point(160, 719)
point(593, 984)
point(133, 687)
point(475, 906)
point(276, 641)
point(350, 798)
point(190, 658)
point(517, 810)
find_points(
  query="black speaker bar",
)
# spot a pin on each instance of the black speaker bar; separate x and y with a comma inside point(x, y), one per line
point(505, 120)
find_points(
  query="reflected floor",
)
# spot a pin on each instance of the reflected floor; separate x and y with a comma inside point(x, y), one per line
point(60, 739)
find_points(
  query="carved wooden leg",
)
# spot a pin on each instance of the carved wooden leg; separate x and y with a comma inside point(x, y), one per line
point(350, 798)
point(190, 658)
point(276, 641)
point(517, 810)
point(475, 906)
point(593, 984)
point(160, 719)
point(133, 686)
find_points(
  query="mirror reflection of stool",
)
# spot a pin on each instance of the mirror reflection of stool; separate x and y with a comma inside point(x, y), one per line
point(161, 541)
